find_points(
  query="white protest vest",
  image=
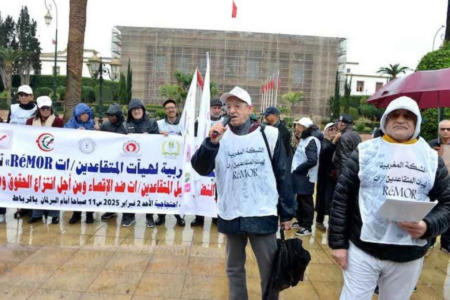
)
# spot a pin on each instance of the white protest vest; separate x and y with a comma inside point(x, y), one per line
point(19, 115)
point(245, 180)
point(169, 128)
point(397, 171)
point(300, 157)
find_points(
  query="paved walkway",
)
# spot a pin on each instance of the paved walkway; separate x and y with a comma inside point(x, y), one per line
point(106, 261)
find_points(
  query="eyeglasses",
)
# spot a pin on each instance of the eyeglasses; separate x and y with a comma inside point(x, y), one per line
point(170, 107)
point(332, 129)
point(445, 129)
point(23, 95)
point(45, 108)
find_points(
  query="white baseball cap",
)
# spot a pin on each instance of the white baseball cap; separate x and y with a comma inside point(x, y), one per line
point(239, 93)
point(307, 122)
point(44, 101)
point(25, 89)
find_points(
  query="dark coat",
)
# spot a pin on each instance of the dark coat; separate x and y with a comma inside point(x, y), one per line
point(144, 125)
point(59, 123)
point(300, 179)
point(203, 162)
point(285, 136)
point(348, 142)
point(325, 183)
point(346, 224)
point(120, 126)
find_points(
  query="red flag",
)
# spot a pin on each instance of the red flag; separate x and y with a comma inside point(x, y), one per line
point(279, 80)
point(200, 79)
point(234, 12)
point(53, 42)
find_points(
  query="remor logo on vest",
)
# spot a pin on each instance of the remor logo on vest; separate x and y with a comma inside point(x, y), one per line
point(395, 191)
point(245, 174)
point(45, 142)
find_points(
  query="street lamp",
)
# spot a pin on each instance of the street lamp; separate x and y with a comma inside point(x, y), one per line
point(97, 68)
point(48, 20)
point(435, 36)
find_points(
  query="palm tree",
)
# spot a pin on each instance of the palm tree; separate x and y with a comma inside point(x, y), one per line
point(447, 29)
point(75, 49)
point(291, 98)
point(393, 70)
point(7, 58)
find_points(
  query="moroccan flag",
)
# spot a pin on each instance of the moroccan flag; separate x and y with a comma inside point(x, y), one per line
point(53, 42)
point(234, 12)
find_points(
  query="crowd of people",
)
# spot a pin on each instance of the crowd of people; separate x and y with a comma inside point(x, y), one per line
point(349, 179)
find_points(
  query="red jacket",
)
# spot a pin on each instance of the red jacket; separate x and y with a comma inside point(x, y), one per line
point(57, 123)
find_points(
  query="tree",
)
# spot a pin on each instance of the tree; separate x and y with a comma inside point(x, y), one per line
point(347, 94)
point(290, 99)
point(29, 44)
point(129, 82)
point(8, 33)
point(123, 95)
point(7, 58)
point(335, 101)
point(171, 91)
point(75, 49)
point(393, 70)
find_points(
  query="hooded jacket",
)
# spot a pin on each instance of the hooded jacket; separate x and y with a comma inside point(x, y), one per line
point(75, 122)
point(119, 126)
point(345, 216)
point(144, 125)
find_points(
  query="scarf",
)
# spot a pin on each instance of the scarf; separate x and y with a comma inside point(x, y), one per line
point(48, 122)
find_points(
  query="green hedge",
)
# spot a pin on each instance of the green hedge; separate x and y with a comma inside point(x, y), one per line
point(42, 91)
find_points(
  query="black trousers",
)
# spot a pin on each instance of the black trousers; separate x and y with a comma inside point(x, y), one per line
point(127, 216)
point(305, 211)
point(320, 217)
point(2, 210)
point(78, 213)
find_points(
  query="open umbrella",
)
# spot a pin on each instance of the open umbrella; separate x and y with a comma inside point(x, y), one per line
point(430, 89)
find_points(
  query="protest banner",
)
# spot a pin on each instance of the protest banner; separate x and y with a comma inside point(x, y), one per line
point(79, 170)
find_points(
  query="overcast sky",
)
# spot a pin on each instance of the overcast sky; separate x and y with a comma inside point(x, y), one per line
point(378, 32)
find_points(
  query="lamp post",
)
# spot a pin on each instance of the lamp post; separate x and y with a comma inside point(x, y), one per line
point(48, 21)
point(97, 68)
point(435, 36)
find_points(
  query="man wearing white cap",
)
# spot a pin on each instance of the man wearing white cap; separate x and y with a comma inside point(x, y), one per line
point(249, 161)
point(370, 246)
point(19, 114)
point(304, 168)
point(25, 109)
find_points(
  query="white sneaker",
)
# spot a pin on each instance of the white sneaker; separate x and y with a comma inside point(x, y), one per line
point(2, 218)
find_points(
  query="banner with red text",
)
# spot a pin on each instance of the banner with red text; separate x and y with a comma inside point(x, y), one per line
point(67, 169)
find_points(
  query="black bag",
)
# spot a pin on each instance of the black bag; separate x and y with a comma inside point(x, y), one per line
point(289, 266)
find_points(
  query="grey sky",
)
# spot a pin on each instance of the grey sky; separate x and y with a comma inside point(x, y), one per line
point(379, 32)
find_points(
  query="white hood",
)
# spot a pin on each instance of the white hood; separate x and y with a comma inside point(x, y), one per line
point(403, 103)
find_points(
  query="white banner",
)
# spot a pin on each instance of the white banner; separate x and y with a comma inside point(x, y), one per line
point(79, 170)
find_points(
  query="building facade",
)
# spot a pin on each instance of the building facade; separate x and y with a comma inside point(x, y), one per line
point(363, 84)
point(305, 63)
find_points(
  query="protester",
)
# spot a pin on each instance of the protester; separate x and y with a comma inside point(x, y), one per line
point(44, 118)
point(250, 196)
point(83, 119)
point(442, 146)
point(348, 141)
point(170, 125)
point(272, 117)
point(25, 109)
point(325, 180)
point(116, 124)
point(215, 115)
point(304, 171)
point(19, 114)
point(370, 248)
point(138, 122)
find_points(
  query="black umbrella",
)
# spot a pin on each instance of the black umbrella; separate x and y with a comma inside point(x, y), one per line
point(289, 267)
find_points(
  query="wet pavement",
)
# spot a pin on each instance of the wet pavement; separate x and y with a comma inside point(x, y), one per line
point(106, 261)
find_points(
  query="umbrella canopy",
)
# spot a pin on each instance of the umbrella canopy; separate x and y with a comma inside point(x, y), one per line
point(430, 89)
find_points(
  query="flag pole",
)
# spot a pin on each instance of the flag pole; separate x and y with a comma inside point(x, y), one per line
point(276, 91)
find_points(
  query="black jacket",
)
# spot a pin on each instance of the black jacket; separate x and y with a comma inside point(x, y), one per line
point(325, 182)
point(120, 126)
point(285, 136)
point(300, 180)
point(203, 162)
point(348, 142)
point(434, 143)
point(144, 125)
point(345, 217)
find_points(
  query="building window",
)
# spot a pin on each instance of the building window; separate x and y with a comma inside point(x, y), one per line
point(252, 68)
point(349, 71)
point(378, 86)
point(298, 73)
point(57, 70)
point(360, 86)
